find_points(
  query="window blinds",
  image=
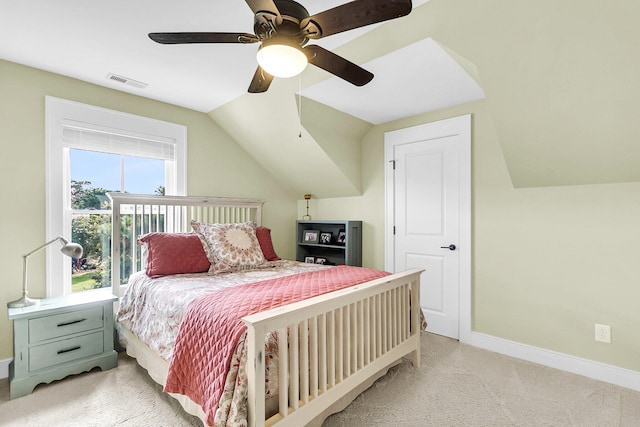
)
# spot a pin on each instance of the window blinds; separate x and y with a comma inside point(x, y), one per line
point(115, 142)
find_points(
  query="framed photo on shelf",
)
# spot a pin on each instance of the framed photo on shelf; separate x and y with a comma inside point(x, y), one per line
point(321, 260)
point(310, 236)
point(342, 237)
point(310, 260)
point(325, 238)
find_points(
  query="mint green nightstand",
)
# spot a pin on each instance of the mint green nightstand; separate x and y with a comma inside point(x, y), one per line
point(59, 337)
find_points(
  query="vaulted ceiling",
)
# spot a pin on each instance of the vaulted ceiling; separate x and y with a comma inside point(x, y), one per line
point(107, 43)
point(560, 79)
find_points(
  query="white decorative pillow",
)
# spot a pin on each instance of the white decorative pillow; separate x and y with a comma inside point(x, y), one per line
point(230, 247)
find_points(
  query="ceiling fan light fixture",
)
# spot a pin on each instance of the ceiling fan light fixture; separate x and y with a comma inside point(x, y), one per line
point(281, 60)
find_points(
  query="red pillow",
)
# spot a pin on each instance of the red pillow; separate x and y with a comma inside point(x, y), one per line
point(170, 253)
point(264, 238)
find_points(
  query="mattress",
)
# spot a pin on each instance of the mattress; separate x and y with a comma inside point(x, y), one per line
point(153, 308)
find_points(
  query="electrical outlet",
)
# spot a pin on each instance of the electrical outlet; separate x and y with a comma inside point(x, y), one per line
point(603, 333)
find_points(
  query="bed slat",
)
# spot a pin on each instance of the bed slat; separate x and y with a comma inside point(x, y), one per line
point(332, 350)
point(328, 346)
point(140, 214)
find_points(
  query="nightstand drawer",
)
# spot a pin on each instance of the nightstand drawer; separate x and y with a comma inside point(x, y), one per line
point(44, 328)
point(46, 355)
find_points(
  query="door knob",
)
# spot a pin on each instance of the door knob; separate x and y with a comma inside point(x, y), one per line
point(450, 247)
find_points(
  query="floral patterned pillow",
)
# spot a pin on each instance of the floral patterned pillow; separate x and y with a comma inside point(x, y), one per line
point(230, 247)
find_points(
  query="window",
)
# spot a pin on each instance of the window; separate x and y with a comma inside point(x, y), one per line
point(93, 174)
point(90, 151)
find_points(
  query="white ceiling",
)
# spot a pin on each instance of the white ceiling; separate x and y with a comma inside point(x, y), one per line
point(417, 78)
point(89, 40)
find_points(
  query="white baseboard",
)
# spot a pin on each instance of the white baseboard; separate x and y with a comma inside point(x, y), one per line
point(4, 368)
point(587, 368)
point(576, 365)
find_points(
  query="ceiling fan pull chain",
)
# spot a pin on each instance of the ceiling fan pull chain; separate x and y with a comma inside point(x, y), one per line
point(299, 106)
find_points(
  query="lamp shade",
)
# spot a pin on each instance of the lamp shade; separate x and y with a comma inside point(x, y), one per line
point(72, 250)
point(281, 60)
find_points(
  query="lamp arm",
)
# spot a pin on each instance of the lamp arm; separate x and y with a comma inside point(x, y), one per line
point(64, 242)
point(26, 256)
point(24, 274)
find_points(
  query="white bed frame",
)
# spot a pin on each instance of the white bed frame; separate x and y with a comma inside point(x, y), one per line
point(331, 347)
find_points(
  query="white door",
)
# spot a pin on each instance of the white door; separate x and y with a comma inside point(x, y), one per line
point(426, 164)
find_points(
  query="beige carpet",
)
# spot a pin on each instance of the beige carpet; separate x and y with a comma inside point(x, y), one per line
point(457, 385)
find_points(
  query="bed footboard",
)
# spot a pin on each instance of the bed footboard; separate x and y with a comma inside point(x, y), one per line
point(330, 344)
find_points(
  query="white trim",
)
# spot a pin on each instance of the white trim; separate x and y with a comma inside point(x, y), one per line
point(553, 359)
point(4, 368)
point(60, 111)
point(576, 365)
point(460, 126)
point(588, 368)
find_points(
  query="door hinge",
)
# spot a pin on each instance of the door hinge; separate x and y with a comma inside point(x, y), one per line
point(394, 230)
point(393, 163)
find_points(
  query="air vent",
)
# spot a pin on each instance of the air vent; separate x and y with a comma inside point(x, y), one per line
point(126, 81)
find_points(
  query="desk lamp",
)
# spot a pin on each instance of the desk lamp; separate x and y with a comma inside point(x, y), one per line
point(72, 250)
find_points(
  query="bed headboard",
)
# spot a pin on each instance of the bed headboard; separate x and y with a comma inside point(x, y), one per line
point(135, 215)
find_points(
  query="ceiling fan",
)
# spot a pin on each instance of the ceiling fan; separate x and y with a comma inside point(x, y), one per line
point(283, 27)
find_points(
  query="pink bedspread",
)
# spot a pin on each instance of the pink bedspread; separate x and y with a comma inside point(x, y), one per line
point(212, 326)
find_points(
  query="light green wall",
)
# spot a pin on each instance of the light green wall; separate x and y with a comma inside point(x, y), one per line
point(556, 197)
point(305, 155)
point(559, 77)
point(338, 135)
point(548, 262)
point(217, 166)
point(369, 208)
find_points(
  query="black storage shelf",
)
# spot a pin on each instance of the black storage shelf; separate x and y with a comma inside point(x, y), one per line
point(349, 253)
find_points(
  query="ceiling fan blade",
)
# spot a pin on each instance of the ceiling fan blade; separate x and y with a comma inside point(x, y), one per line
point(265, 10)
point(337, 65)
point(356, 14)
point(183, 38)
point(261, 81)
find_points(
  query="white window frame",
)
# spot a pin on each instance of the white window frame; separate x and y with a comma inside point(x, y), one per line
point(58, 205)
